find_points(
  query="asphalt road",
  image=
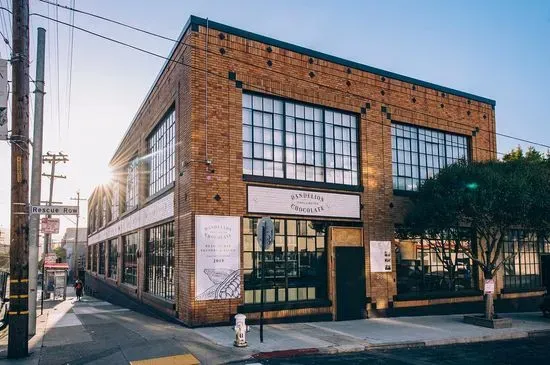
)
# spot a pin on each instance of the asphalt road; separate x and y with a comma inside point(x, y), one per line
point(535, 350)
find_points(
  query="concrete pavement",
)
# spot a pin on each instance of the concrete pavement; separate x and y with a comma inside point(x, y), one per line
point(96, 332)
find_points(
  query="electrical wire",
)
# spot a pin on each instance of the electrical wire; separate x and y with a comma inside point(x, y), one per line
point(70, 62)
point(251, 86)
point(468, 127)
point(58, 78)
point(284, 55)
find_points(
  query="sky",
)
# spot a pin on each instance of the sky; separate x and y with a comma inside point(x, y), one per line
point(495, 49)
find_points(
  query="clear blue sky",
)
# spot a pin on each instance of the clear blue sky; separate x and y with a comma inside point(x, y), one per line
point(495, 49)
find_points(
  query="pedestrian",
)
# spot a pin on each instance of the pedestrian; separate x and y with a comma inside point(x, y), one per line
point(78, 288)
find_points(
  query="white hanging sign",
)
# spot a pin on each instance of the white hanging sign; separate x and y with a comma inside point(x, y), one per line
point(380, 256)
point(217, 257)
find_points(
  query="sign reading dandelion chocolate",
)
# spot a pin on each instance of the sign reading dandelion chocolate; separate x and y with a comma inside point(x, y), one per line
point(217, 257)
point(302, 202)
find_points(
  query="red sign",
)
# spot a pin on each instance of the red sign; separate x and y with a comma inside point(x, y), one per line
point(49, 225)
point(50, 258)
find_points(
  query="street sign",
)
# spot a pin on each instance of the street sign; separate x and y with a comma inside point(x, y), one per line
point(265, 233)
point(489, 286)
point(55, 209)
point(50, 258)
point(49, 225)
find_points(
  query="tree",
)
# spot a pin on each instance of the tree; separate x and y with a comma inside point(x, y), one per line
point(532, 155)
point(487, 198)
point(61, 254)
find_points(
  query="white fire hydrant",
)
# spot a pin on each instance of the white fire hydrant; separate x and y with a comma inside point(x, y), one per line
point(240, 331)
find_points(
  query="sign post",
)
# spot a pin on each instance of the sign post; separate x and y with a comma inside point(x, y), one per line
point(265, 234)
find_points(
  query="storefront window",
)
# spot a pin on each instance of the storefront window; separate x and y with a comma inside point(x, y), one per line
point(435, 264)
point(162, 159)
point(113, 259)
point(160, 261)
point(94, 258)
point(419, 154)
point(295, 266)
point(132, 185)
point(522, 271)
point(89, 263)
point(101, 270)
point(287, 139)
point(129, 258)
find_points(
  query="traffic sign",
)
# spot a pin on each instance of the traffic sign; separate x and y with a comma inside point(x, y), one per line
point(55, 209)
point(265, 233)
point(49, 225)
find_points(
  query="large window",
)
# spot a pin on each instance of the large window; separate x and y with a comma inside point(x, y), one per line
point(160, 145)
point(129, 258)
point(89, 262)
point(160, 261)
point(113, 259)
point(94, 258)
point(522, 270)
point(435, 264)
point(419, 154)
point(132, 187)
point(105, 210)
point(115, 200)
point(101, 269)
point(295, 266)
point(291, 140)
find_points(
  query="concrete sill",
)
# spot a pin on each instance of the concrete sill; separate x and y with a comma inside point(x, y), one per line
point(488, 323)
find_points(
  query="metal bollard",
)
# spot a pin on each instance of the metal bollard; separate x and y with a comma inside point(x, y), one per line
point(240, 331)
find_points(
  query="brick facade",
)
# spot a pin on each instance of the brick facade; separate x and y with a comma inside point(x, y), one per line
point(209, 156)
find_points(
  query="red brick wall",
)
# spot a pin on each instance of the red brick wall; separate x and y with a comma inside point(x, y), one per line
point(331, 86)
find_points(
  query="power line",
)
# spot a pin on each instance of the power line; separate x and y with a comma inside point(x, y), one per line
point(70, 62)
point(57, 61)
point(202, 70)
point(72, 8)
point(284, 55)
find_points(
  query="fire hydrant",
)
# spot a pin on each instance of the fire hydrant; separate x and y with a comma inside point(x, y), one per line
point(240, 331)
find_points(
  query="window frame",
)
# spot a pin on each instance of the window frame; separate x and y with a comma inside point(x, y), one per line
point(419, 167)
point(112, 269)
point(525, 260)
point(130, 239)
point(286, 164)
point(280, 283)
point(131, 200)
point(160, 238)
point(162, 169)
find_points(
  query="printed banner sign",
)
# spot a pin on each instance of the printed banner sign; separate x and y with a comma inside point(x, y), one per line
point(489, 286)
point(49, 225)
point(303, 202)
point(380, 256)
point(217, 257)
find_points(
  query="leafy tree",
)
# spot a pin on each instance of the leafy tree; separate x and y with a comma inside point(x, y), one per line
point(61, 254)
point(488, 198)
point(531, 155)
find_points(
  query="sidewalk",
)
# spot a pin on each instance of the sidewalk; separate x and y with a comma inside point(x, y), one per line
point(378, 333)
point(97, 332)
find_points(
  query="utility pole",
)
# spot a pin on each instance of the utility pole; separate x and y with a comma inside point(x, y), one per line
point(19, 256)
point(36, 176)
point(75, 244)
point(53, 159)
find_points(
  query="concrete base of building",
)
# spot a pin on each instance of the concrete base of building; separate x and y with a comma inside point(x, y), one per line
point(489, 323)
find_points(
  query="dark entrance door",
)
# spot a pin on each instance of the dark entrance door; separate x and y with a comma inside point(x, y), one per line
point(545, 269)
point(350, 283)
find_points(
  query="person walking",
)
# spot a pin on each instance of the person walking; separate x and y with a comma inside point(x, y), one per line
point(78, 288)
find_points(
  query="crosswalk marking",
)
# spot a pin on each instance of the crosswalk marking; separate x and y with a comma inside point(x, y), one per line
point(186, 359)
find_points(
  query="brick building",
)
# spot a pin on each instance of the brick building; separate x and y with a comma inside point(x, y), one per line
point(238, 126)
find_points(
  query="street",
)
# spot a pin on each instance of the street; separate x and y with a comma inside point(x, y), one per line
point(533, 350)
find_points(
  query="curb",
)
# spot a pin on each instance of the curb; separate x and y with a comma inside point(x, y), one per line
point(360, 347)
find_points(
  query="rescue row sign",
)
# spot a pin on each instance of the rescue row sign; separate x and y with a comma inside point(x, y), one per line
point(54, 209)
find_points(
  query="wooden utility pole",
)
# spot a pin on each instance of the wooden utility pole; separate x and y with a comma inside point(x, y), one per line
point(19, 250)
point(75, 244)
point(52, 158)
